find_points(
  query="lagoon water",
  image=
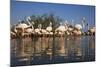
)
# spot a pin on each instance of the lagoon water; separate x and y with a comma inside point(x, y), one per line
point(51, 50)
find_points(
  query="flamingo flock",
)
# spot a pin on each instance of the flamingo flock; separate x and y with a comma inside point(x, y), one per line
point(27, 30)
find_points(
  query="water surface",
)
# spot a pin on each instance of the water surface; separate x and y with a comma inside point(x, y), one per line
point(51, 50)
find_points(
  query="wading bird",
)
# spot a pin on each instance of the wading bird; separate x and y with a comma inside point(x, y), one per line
point(60, 30)
point(38, 30)
point(77, 30)
point(49, 29)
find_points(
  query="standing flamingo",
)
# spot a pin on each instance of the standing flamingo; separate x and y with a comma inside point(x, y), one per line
point(70, 29)
point(61, 29)
point(38, 30)
point(21, 28)
point(92, 31)
point(29, 30)
point(49, 29)
point(77, 29)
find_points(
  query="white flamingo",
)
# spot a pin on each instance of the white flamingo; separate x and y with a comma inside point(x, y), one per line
point(78, 26)
point(66, 27)
point(13, 34)
point(38, 30)
point(13, 29)
point(61, 29)
point(77, 29)
point(70, 27)
point(44, 32)
point(23, 27)
point(70, 30)
point(92, 30)
point(31, 28)
point(49, 29)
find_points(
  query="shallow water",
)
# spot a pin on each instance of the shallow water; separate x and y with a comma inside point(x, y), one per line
point(48, 50)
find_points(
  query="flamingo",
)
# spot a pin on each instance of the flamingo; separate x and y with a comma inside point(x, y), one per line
point(44, 31)
point(38, 30)
point(13, 34)
point(22, 27)
point(92, 31)
point(77, 29)
point(78, 26)
point(66, 27)
point(49, 29)
point(29, 30)
point(61, 30)
point(70, 27)
point(70, 30)
point(13, 29)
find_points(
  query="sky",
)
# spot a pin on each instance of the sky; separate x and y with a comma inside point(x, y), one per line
point(69, 12)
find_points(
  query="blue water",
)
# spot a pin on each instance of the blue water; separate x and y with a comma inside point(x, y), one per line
point(52, 50)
